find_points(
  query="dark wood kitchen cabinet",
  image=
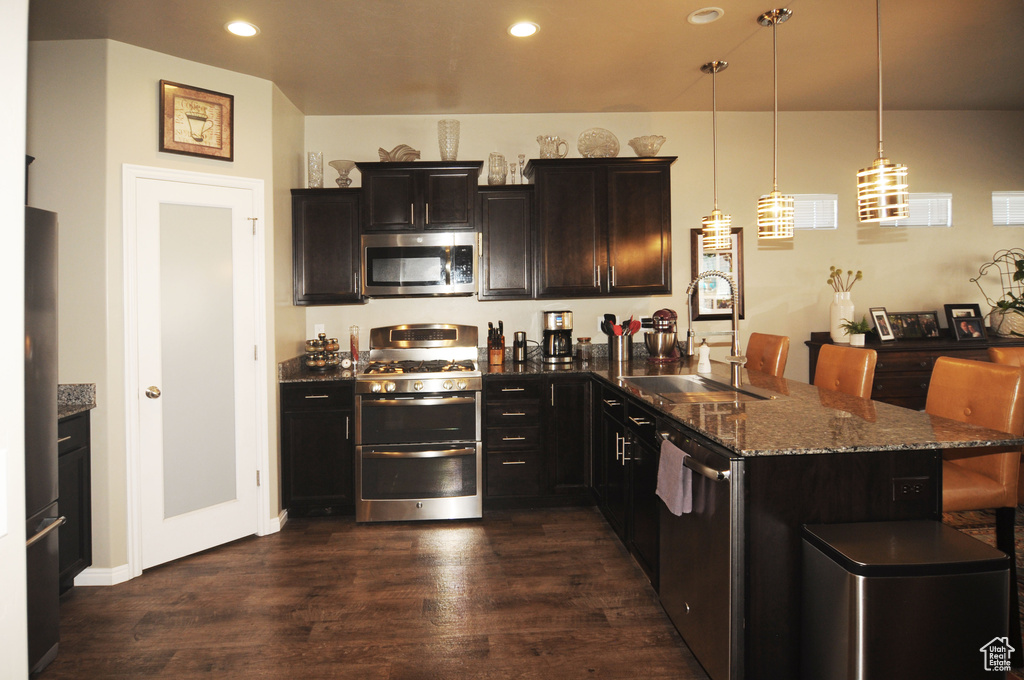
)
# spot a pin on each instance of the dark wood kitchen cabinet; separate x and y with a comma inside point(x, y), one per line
point(603, 226)
point(317, 451)
point(609, 469)
point(536, 439)
point(74, 481)
point(417, 196)
point(506, 254)
point(325, 246)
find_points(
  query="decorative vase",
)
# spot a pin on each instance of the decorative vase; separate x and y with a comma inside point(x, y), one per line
point(496, 169)
point(343, 168)
point(448, 139)
point(841, 308)
point(1006, 323)
point(315, 170)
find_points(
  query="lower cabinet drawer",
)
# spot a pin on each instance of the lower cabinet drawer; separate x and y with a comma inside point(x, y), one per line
point(513, 473)
point(521, 437)
point(913, 385)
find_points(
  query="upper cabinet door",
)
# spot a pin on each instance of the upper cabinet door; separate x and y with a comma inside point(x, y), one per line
point(325, 246)
point(639, 230)
point(570, 208)
point(506, 260)
point(449, 198)
point(389, 200)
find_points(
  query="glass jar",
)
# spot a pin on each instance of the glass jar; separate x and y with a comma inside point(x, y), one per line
point(584, 350)
point(353, 342)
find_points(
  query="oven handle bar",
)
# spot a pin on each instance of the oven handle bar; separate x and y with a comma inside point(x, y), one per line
point(413, 401)
point(443, 453)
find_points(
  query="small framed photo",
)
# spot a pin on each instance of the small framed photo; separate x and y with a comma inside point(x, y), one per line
point(915, 325)
point(968, 328)
point(960, 311)
point(882, 325)
point(196, 122)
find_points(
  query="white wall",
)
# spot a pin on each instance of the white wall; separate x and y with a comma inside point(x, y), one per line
point(80, 177)
point(967, 153)
point(13, 627)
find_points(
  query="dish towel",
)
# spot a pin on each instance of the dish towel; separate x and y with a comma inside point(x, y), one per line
point(675, 480)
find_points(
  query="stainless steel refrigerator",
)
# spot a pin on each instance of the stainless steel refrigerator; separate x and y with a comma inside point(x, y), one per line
point(43, 520)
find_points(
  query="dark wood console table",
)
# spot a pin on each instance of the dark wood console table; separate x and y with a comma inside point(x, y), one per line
point(904, 367)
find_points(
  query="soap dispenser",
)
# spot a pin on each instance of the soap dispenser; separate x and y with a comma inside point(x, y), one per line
point(704, 357)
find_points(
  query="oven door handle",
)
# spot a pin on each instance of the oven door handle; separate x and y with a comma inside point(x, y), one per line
point(442, 453)
point(413, 401)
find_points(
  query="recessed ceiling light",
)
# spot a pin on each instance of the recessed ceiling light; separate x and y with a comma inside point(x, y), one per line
point(242, 28)
point(523, 29)
point(705, 15)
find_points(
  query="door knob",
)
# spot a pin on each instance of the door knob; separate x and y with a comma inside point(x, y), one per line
point(153, 392)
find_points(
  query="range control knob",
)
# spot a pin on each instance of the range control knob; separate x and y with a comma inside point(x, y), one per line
point(418, 385)
point(389, 386)
point(447, 384)
point(461, 384)
point(375, 387)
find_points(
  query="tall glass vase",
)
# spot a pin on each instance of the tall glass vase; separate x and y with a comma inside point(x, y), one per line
point(839, 311)
point(448, 139)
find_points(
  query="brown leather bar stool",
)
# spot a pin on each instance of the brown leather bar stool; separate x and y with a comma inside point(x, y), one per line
point(767, 353)
point(845, 369)
point(992, 396)
point(1011, 356)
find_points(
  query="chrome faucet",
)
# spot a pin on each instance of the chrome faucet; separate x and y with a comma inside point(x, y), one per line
point(736, 358)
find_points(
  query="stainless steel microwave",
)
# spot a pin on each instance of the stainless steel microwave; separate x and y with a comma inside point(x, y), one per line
point(419, 264)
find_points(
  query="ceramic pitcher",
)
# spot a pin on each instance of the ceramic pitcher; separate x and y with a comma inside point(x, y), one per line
point(552, 146)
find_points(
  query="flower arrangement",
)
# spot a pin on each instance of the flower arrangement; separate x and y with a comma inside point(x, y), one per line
point(841, 283)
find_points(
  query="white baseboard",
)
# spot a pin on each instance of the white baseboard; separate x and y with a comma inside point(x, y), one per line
point(94, 576)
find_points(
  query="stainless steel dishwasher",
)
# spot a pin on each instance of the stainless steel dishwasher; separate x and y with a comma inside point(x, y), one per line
point(701, 560)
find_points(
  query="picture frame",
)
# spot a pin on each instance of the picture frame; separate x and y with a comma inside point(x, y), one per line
point(961, 311)
point(196, 122)
point(714, 300)
point(965, 321)
point(914, 325)
point(883, 327)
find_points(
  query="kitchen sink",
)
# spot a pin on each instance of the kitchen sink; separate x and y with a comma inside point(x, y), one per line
point(690, 389)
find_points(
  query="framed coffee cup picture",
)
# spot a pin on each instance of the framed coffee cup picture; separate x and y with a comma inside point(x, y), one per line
point(196, 122)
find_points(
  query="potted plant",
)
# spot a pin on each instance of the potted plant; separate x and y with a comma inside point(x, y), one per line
point(1007, 315)
point(856, 330)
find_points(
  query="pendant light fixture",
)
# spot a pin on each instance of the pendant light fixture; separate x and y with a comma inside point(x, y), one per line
point(716, 227)
point(775, 210)
point(882, 192)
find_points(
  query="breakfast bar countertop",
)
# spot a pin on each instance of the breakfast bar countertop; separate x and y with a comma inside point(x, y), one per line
point(796, 419)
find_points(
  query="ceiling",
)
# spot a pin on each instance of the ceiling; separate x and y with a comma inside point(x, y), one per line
point(338, 57)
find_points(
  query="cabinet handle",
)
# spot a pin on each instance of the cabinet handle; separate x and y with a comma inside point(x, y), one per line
point(640, 421)
point(513, 389)
point(317, 396)
point(619, 450)
point(597, 276)
point(512, 413)
point(63, 439)
point(612, 402)
point(412, 214)
point(426, 208)
point(346, 428)
point(513, 462)
point(611, 275)
point(924, 364)
point(512, 439)
point(552, 394)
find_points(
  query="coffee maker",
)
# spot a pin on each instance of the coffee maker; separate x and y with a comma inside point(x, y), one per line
point(556, 347)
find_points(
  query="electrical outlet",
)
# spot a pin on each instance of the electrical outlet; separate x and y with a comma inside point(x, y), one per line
point(910, 488)
point(318, 328)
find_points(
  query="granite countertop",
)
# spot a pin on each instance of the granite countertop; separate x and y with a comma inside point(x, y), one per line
point(796, 419)
point(74, 399)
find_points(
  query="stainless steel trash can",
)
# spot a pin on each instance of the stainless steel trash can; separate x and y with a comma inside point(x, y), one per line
point(914, 599)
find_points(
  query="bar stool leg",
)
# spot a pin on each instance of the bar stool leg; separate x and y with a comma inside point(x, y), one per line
point(1006, 520)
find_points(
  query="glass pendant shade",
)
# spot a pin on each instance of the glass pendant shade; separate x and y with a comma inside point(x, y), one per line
point(882, 192)
point(775, 211)
point(717, 231)
point(775, 216)
point(882, 189)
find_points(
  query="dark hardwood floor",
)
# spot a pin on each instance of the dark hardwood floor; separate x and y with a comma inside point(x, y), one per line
point(520, 594)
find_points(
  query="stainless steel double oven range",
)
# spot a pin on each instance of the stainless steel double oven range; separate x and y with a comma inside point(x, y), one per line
point(418, 431)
